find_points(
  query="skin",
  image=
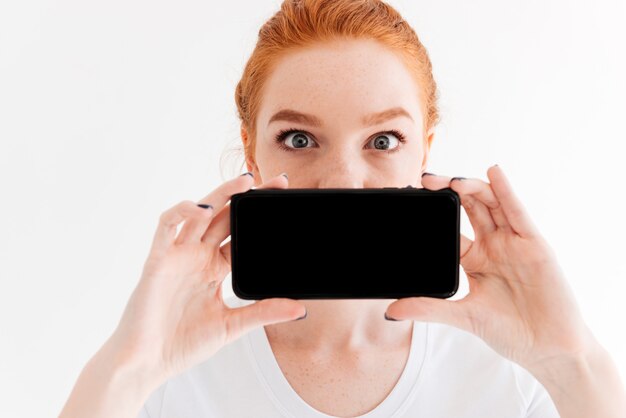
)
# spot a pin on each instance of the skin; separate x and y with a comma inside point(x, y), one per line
point(519, 303)
point(339, 83)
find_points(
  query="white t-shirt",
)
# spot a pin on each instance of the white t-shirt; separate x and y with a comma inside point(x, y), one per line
point(449, 373)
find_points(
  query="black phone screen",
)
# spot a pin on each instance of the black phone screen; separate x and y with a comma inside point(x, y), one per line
point(345, 243)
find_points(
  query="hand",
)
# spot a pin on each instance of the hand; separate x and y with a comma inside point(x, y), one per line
point(176, 316)
point(519, 301)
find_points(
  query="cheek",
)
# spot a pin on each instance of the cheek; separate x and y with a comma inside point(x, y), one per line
point(264, 150)
point(407, 166)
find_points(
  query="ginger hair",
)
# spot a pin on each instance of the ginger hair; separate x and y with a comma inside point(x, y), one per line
point(302, 23)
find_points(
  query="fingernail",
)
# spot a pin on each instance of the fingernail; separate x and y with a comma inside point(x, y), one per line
point(388, 318)
point(302, 317)
point(249, 173)
point(427, 174)
point(202, 205)
point(457, 178)
point(285, 174)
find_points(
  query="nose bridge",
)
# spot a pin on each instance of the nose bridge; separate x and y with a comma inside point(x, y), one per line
point(341, 167)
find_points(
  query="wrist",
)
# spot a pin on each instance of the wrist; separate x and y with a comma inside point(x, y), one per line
point(110, 385)
point(127, 368)
point(584, 383)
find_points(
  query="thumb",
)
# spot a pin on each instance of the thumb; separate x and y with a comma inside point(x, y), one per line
point(243, 319)
point(426, 309)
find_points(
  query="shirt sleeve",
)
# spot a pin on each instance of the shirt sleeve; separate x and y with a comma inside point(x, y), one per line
point(538, 402)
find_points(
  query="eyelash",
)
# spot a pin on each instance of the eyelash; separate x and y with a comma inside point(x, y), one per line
point(280, 137)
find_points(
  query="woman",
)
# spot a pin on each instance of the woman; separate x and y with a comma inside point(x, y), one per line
point(349, 83)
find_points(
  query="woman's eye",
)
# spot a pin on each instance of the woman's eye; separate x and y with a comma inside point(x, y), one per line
point(298, 140)
point(386, 140)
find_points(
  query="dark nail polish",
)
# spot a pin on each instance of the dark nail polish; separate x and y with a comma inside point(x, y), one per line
point(202, 205)
point(388, 318)
point(302, 317)
point(427, 174)
point(457, 178)
point(248, 173)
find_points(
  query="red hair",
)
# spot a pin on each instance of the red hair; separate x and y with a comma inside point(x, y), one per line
point(301, 23)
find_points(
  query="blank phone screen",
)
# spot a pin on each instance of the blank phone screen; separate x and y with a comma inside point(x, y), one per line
point(344, 243)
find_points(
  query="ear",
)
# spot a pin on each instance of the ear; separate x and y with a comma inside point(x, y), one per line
point(428, 140)
point(250, 162)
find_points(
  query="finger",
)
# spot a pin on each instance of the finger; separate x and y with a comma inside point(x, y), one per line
point(421, 308)
point(512, 207)
point(468, 191)
point(480, 190)
point(195, 227)
point(193, 230)
point(483, 191)
point(465, 246)
point(477, 213)
point(240, 321)
point(169, 220)
point(219, 229)
point(477, 188)
point(432, 181)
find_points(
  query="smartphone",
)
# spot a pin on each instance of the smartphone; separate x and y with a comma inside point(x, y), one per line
point(368, 243)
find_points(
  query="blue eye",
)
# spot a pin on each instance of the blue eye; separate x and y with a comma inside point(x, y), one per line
point(381, 140)
point(301, 139)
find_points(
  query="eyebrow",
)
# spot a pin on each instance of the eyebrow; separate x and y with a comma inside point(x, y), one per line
point(294, 116)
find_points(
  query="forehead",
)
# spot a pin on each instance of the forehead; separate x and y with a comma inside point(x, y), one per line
point(341, 81)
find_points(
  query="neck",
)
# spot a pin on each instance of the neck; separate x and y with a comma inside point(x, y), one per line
point(347, 325)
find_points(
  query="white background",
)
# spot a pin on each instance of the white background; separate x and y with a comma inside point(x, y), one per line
point(112, 112)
